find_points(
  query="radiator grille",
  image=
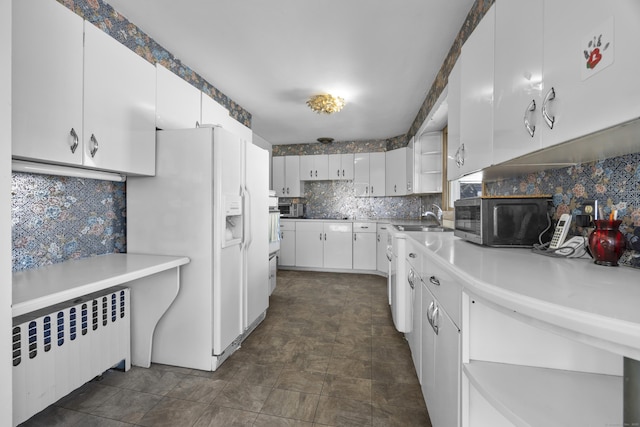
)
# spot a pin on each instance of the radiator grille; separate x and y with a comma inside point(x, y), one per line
point(63, 351)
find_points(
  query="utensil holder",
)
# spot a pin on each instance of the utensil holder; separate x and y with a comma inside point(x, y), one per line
point(606, 242)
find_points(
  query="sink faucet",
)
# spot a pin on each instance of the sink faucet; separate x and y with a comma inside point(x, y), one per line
point(437, 216)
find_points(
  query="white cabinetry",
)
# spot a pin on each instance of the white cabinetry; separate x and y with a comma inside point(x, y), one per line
point(544, 85)
point(454, 158)
point(47, 100)
point(518, 79)
point(309, 244)
point(364, 246)
point(92, 105)
point(338, 252)
point(369, 174)
point(341, 166)
point(476, 102)
point(178, 103)
point(428, 163)
point(287, 256)
point(314, 167)
point(323, 244)
point(119, 98)
point(382, 263)
point(590, 99)
point(414, 261)
point(441, 362)
point(212, 113)
point(396, 172)
point(286, 176)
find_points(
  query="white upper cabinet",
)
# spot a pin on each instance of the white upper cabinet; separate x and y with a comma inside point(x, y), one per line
point(591, 61)
point(341, 166)
point(286, 175)
point(454, 159)
point(476, 102)
point(177, 101)
point(119, 106)
point(396, 172)
point(563, 70)
point(518, 79)
point(369, 174)
point(92, 105)
point(314, 167)
point(211, 112)
point(47, 82)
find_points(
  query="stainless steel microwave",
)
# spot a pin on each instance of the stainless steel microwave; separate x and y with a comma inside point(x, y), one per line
point(501, 221)
point(291, 210)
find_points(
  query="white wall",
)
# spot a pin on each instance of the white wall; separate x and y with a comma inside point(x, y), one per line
point(5, 213)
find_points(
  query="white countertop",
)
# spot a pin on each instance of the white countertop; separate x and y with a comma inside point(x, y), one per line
point(575, 295)
point(42, 287)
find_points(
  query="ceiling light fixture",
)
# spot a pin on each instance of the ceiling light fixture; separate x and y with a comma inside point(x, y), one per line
point(325, 140)
point(326, 103)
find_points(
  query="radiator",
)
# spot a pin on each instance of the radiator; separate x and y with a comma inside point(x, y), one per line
point(59, 348)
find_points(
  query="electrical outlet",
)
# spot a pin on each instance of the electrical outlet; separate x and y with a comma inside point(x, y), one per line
point(590, 208)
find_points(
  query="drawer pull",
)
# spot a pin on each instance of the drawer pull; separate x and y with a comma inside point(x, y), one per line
point(412, 255)
point(435, 281)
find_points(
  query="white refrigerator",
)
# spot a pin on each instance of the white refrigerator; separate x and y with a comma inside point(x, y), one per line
point(208, 201)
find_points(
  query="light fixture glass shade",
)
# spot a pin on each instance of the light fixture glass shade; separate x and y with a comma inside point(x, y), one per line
point(326, 103)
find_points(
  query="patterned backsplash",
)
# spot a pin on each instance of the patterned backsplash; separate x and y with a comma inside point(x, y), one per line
point(54, 219)
point(58, 218)
point(614, 183)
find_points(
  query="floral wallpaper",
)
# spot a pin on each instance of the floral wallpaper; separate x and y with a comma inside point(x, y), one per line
point(54, 219)
point(117, 26)
point(614, 183)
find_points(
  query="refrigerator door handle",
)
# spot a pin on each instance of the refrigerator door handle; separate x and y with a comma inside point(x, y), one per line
point(247, 216)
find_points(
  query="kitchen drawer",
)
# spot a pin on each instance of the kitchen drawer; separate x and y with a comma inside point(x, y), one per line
point(364, 227)
point(317, 226)
point(444, 287)
point(287, 225)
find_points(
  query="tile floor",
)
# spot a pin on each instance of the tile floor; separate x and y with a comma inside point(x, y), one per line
point(326, 355)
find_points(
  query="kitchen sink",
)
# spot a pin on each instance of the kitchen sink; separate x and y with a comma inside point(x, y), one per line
point(418, 227)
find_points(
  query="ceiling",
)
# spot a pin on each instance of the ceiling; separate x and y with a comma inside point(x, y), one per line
point(381, 56)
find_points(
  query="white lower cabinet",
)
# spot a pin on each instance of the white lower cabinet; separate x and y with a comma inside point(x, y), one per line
point(382, 263)
point(287, 256)
point(309, 244)
point(338, 252)
point(440, 376)
point(364, 246)
point(324, 244)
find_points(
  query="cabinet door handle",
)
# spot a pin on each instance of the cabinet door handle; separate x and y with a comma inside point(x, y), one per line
point(430, 312)
point(197, 124)
point(283, 191)
point(378, 238)
point(320, 236)
point(287, 190)
point(316, 174)
point(528, 112)
point(395, 188)
point(310, 174)
point(550, 120)
point(94, 145)
point(412, 255)
point(75, 140)
point(435, 281)
point(367, 191)
point(338, 172)
point(372, 189)
point(342, 172)
point(435, 323)
point(462, 155)
point(325, 236)
point(354, 237)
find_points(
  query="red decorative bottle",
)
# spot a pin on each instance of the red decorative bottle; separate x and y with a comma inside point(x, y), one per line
point(606, 242)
